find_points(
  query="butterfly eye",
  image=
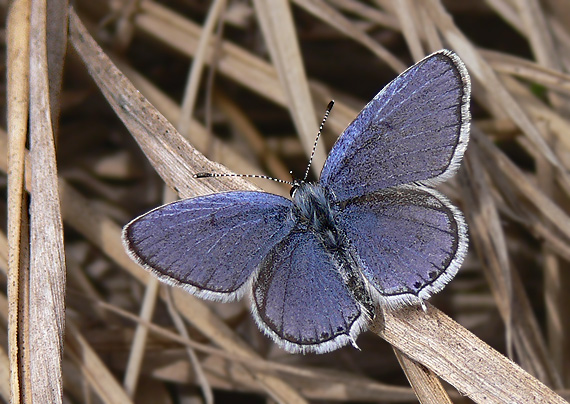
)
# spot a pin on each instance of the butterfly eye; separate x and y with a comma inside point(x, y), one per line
point(295, 186)
point(293, 190)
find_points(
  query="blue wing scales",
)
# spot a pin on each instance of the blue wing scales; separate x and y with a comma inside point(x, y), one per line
point(411, 241)
point(300, 300)
point(416, 129)
point(210, 245)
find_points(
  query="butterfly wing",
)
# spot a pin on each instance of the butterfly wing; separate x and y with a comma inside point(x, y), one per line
point(410, 240)
point(210, 245)
point(416, 129)
point(299, 298)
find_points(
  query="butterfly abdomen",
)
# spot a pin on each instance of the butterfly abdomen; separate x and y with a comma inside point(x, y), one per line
point(314, 213)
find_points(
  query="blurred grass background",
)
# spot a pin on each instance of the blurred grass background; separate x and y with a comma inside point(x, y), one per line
point(247, 82)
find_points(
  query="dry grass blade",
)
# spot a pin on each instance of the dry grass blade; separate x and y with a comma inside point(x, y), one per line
point(278, 28)
point(426, 385)
point(175, 159)
point(195, 73)
point(18, 37)
point(194, 360)
point(479, 69)
point(489, 238)
point(254, 139)
point(406, 13)
point(136, 356)
point(197, 133)
point(541, 40)
point(5, 389)
point(486, 231)
point(460, 358)
point(94, 370)
point(234, 62)
point(47, 258)
point(367, 12)
point(326, 386)
point(323, 11)
point(509, 175)
point(183, 35)
point(508, 12)
point(538, 31)
point(56, 35)
point(515, 66)
point(4, 376)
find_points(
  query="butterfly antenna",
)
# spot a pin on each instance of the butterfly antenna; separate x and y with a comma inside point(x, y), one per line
point(327, 112)
point(266, 177)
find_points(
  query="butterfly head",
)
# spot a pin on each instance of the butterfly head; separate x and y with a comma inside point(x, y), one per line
point(313, 209)
point(296, 184)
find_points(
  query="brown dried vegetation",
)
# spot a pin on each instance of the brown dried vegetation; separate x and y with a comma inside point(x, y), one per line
point(244, 84)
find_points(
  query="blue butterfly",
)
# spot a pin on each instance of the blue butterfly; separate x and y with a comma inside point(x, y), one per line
point(370, 231)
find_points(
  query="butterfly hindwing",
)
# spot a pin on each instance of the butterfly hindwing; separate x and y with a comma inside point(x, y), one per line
point(210, 245)
point(300, 299)
point(416, 129)
point(410, 240)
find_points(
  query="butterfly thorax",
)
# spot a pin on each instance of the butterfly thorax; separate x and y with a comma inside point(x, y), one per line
point(314, 212)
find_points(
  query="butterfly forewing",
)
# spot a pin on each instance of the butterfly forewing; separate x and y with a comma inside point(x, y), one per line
point(410, 241)
point(211, 245)
point(415, 129)
point(301, 300)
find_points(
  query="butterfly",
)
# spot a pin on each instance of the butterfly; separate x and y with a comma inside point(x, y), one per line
point(372, 231)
